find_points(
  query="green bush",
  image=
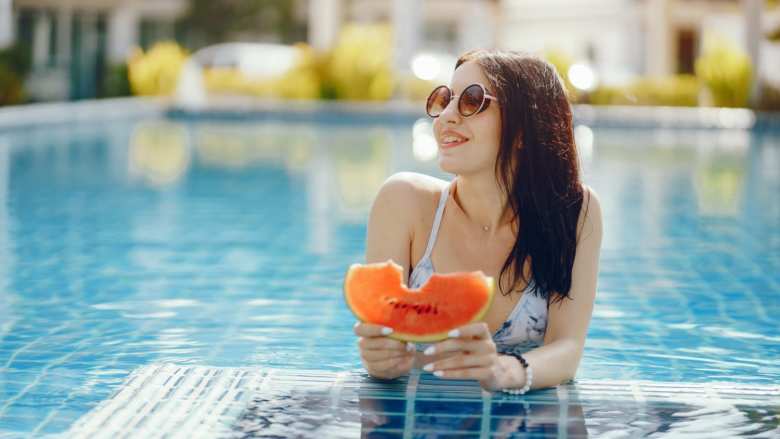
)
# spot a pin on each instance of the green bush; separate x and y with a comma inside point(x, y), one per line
point(14, 66)
point(116, 82)
point(675, 91)
point(562, 62)
point(11, 90)
point(769, 99)
point(360, 67)
point(726, 72)
point(17, 59)
point(774, 35)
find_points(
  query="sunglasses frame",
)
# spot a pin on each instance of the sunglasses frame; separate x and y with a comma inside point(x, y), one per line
point(486, 98)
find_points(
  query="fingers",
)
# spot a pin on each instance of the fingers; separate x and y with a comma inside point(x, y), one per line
point(397, 364)
point(460, 345)
point(369, 330)
point(461, 362)
point(473, 373)
point(478, 330)
point(379, 355)
point(382, 343)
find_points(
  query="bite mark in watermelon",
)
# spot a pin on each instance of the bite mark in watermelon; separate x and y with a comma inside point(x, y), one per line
point(377, 294)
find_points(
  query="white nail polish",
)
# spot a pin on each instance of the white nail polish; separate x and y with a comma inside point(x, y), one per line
point(454, 333)
point(438, 373)
point(410, 347)
point(356, 325)
point(430, 351)
point(428, 367)
point(387, 331)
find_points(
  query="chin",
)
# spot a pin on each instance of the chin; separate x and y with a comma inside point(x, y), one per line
point(452, 165)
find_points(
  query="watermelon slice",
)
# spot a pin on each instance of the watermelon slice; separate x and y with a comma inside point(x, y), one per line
point(376, 294)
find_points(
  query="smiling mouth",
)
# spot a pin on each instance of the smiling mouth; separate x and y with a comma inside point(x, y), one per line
point(452, 141)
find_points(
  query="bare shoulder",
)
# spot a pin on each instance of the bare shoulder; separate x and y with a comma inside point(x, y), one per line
point(410, 190)
point(590, 221)
point(396, 216)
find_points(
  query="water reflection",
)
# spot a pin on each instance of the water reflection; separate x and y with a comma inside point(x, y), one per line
point(424, 407)
point(159, 152)
point(317, 404)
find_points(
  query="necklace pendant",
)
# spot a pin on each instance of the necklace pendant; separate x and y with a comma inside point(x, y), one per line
point(486, 228)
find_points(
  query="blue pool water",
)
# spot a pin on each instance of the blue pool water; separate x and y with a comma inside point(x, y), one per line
point(222, 243)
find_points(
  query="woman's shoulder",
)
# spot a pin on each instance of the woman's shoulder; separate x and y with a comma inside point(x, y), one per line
point(411, 189)
point(590, 220)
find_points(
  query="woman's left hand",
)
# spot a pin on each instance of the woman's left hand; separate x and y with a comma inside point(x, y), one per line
point(470, 354)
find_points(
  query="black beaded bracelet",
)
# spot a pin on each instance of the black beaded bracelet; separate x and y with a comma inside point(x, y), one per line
point(529, 375)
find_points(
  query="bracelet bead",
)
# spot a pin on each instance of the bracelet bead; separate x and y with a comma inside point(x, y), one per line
point(529, 377)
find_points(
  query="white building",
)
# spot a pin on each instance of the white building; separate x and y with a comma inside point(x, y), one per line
point(72, 41)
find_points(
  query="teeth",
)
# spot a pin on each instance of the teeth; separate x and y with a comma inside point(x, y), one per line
point(451, 139)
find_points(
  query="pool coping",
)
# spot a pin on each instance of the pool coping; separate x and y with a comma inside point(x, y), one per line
point(171, 400)
point(238, 108)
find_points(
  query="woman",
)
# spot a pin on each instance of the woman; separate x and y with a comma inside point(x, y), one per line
point(516, 210)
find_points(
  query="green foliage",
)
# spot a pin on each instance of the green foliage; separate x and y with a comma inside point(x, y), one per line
point(14, 65)
point(116, 82)
point(725, 71)
point(11, 90)
point(156, 72)
point(677, 91)
point(360, 66)
point(217, 21)
point(562, 62)
point(769, 99)
point(774, 35)
point(301, 81)
point(17, 59)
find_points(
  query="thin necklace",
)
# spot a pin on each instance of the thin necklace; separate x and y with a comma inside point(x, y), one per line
point(485, 227)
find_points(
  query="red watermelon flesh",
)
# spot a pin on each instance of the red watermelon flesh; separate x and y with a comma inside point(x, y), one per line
point(376, 294)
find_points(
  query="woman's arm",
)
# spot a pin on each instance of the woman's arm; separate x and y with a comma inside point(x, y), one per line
point(567, 322)
point(390, 230)
point(557, 360)
point(389, 236)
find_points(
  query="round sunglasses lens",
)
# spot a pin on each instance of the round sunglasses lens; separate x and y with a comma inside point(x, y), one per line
point(471, 100)
point(438, 101)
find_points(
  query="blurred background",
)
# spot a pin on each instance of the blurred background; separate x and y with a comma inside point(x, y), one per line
point(626, 52)
point(205, 214)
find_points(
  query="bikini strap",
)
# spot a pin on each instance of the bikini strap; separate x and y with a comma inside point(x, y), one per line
point(437, 221)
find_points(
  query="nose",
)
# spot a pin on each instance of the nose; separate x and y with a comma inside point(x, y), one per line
point(450, 113)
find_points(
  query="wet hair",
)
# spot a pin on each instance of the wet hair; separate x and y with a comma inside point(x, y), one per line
point(538, 167)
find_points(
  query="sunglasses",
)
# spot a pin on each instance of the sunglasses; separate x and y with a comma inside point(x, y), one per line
point(473, 100)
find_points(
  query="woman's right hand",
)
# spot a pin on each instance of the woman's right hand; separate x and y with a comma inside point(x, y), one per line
point(383, 357)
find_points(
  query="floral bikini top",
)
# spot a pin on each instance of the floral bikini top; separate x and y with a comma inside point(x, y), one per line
point(522, 331)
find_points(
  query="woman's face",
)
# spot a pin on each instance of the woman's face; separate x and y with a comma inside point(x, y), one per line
point(468, 145)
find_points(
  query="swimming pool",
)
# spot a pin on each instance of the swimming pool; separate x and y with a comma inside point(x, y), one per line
point(182, 245)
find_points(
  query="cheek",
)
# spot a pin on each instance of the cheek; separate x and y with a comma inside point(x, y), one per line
point(490, 136)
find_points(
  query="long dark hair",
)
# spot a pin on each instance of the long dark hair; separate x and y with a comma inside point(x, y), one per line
point(537, 166)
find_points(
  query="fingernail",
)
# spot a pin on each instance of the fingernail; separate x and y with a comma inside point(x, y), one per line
point(454, 333)
point(428, 367)
point(410, 347)
point(356, 325)
point(430, 350)
point(387, 331)
point(438, 373)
